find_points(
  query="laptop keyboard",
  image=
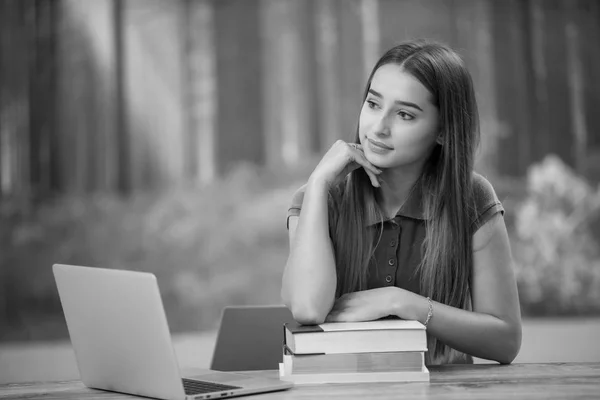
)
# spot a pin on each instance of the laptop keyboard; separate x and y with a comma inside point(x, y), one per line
point(192, 386)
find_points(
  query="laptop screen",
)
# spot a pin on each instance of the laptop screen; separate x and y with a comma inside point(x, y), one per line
point(250, 338)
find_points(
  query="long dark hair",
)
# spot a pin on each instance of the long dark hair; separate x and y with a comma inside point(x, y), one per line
point(445, 182)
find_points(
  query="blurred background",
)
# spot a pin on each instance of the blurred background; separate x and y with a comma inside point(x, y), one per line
point(169, 136)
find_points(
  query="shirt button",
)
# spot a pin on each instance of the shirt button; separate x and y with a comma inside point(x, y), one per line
point(391, 261)
point(388, 278)
point(393, 243)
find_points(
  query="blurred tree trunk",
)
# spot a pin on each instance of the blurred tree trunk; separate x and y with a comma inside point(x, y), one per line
point(124, 176)
point(200, 90)
point(17, 23)
point(514, 85)
point(553, 116)
point(287, 57)
point(371, 34)
point(328, 77)
point(3, 89)
point(74, 84)
point(104, 144)
point(4, 234)
point(270, 28)
point(238, 62)
point(351, 61)
point(43, 98)
point(17, 18)
point(7, 11)
point(575, 82)
point(540, 140)
point(589, 15)
point(153, 77)
point(473, 20)
point(86, 85)
point(557, 51)
point(22, 188)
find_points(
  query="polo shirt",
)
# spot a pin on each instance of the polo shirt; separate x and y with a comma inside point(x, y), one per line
point(397, 253)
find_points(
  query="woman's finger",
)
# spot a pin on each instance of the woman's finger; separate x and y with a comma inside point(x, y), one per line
point(374, 178)
point(367, 164)
point(371, 170)
point(331, 317)
point(362, 161)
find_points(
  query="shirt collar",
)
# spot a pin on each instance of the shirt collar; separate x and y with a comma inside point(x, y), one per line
point(412, 208)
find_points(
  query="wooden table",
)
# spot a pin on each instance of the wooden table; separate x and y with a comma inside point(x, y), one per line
point(480, 381)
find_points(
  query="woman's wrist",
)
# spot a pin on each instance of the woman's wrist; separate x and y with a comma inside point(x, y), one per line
point(318, 182)
point(408, 305)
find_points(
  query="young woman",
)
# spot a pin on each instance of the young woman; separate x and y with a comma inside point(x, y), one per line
point(396, 223)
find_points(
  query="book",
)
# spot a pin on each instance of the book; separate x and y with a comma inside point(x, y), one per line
point(390, 335)
point(354, 377)
point(352, 362)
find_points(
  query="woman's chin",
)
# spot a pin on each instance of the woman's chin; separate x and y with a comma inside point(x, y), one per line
point(376, 161)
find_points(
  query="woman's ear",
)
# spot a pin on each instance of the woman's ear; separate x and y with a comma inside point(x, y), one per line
point(440, 139)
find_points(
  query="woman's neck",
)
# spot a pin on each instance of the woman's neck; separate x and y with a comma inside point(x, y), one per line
point(396, 187)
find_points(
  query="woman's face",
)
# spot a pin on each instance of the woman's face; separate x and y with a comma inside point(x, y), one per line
point(398, 124)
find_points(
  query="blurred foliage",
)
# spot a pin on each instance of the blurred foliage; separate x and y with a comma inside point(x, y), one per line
point(226, 244)
point(209, 247)
point(555, 242)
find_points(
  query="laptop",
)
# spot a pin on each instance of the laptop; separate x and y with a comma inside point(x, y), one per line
point(250, 338)
point(119, 332)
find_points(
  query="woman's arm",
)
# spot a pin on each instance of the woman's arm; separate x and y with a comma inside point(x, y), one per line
point(309, 279)
point(493, 329)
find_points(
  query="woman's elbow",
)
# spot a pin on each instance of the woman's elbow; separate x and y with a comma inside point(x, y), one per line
point(307, 315)
point(512, 345)
point(303, 314)
point(308, 319)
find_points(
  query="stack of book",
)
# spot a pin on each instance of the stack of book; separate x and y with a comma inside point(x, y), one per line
point(374, 351)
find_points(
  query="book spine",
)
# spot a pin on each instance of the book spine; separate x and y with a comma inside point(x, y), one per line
point(295, 328)
point(353, 363)
point(356, 342)
point(413, 376)
point(288, 351)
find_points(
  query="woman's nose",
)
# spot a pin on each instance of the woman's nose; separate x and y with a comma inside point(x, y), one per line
point(382, 127)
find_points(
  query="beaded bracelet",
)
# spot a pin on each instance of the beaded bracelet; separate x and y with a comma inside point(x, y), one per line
point(429, 312)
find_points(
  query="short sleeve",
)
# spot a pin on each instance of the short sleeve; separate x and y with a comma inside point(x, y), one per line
point(296, 204)
point(486, 202)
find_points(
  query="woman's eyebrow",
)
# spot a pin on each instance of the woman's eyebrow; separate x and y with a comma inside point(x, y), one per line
point(401, 102)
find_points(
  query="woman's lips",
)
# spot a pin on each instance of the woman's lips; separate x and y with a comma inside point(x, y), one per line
point(378, 147)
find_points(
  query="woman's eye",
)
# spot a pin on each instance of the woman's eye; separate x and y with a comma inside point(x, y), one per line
point(406, 116)
point(371, 104)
